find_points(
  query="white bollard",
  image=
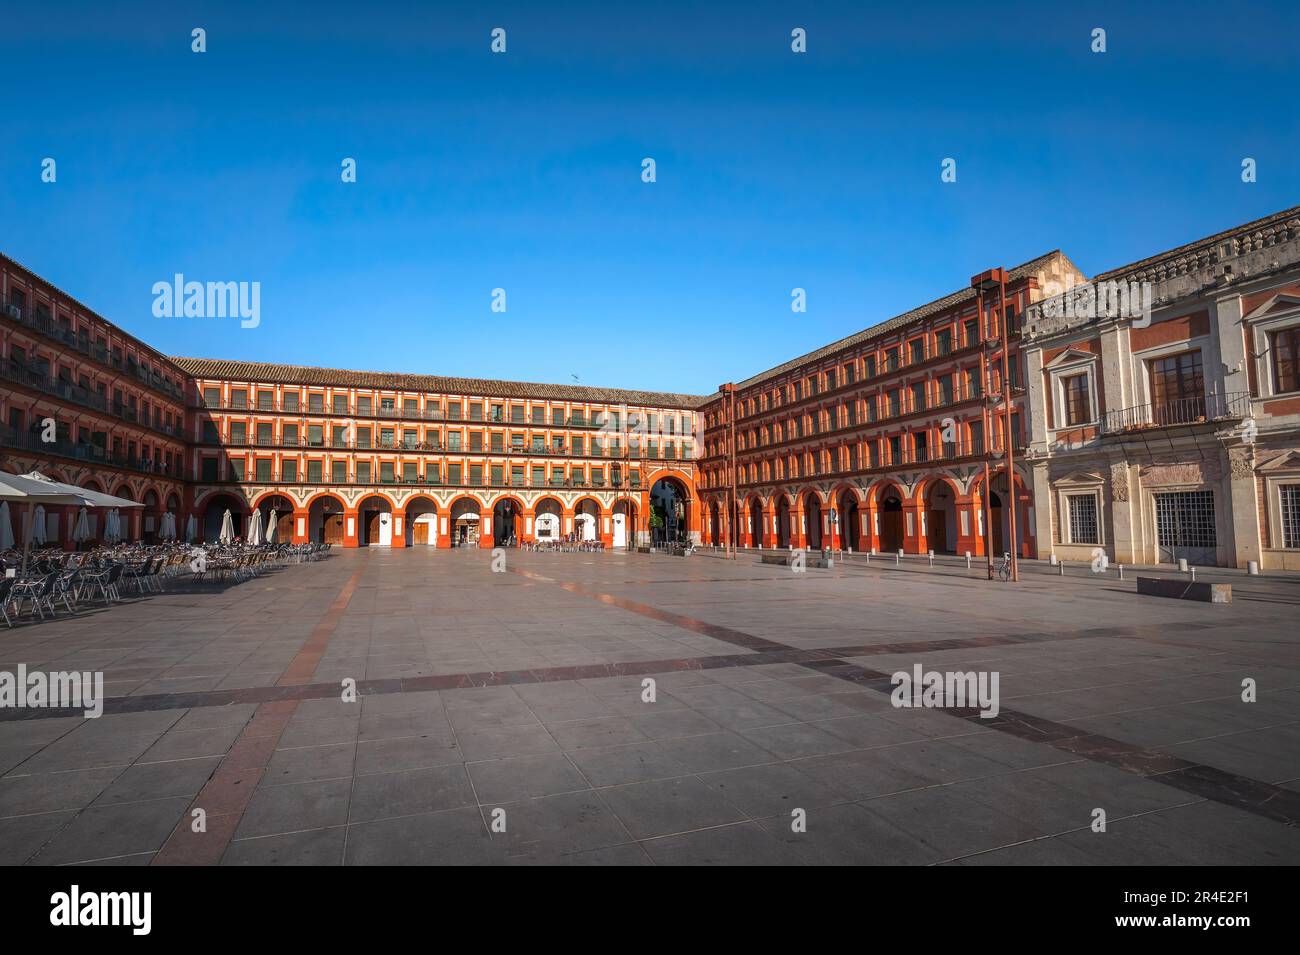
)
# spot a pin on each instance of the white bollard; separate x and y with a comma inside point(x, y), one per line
point(1182, 565)
point(1252, 568)
point(1053, 560)
point(1121, 571)
point(1193, 575)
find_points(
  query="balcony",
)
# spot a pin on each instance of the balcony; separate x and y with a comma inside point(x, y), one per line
point(1181, 412)
point(46, 326)
point(38, 379)
point(83, 451)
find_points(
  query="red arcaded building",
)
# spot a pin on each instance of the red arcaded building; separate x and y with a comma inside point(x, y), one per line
point(1146, 441)
point(375, 458)
point(118, 407)
point(879, 441)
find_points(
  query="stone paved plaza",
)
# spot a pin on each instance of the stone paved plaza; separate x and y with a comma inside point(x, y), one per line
point(518, 696)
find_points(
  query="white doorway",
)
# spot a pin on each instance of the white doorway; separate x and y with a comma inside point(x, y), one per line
point(620, 530)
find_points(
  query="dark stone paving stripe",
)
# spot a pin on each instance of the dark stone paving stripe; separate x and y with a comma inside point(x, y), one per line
point(285, 691)
point(726, 634)
point(1253, 795)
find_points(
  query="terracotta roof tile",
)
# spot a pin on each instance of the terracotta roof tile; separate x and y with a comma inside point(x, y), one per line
point(211, 368)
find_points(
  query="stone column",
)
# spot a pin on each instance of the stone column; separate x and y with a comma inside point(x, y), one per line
point(1244, 539)
point(1125, 530)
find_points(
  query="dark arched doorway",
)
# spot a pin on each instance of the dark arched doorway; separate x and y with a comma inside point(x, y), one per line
point(325, 520)
point(850, 521)
point(756, 528)
point(375, 515)
point(812, 520)
point(782, 511)
point(213, 512)
point(891, 520)
point(668, 511)
point(505, 520)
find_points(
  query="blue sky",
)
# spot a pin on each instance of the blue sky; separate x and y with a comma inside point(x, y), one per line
point(522, 171)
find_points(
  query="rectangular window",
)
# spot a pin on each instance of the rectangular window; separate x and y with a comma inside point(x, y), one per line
point(263, 470)
point(291, 401)
point(211, 396)
point(1286, 360)
point(945, 389)
point(339, 472)
point(1290, 514)
point(1185, 519)
point(340, 404)
point(363, 404)
point(386, 472)
point(1078, 405)
point(453, 473)
point(314, 472)
point(1177, 389)
point(410, 472)
point(289, 470)
point(1083, 518)
point(363, 472)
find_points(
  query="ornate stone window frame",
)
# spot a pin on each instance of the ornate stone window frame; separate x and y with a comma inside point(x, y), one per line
point(1057, 375)
point(1078, 485)
point(1261, 343)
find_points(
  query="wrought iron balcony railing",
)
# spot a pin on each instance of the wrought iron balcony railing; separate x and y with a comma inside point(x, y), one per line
point(1182, 411)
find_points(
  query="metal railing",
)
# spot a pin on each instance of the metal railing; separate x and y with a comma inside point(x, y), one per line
point(85, 451)
point(408, 414)
point(47, 327)
point(428, 481)
point(38, 380)
point(1182, 411)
